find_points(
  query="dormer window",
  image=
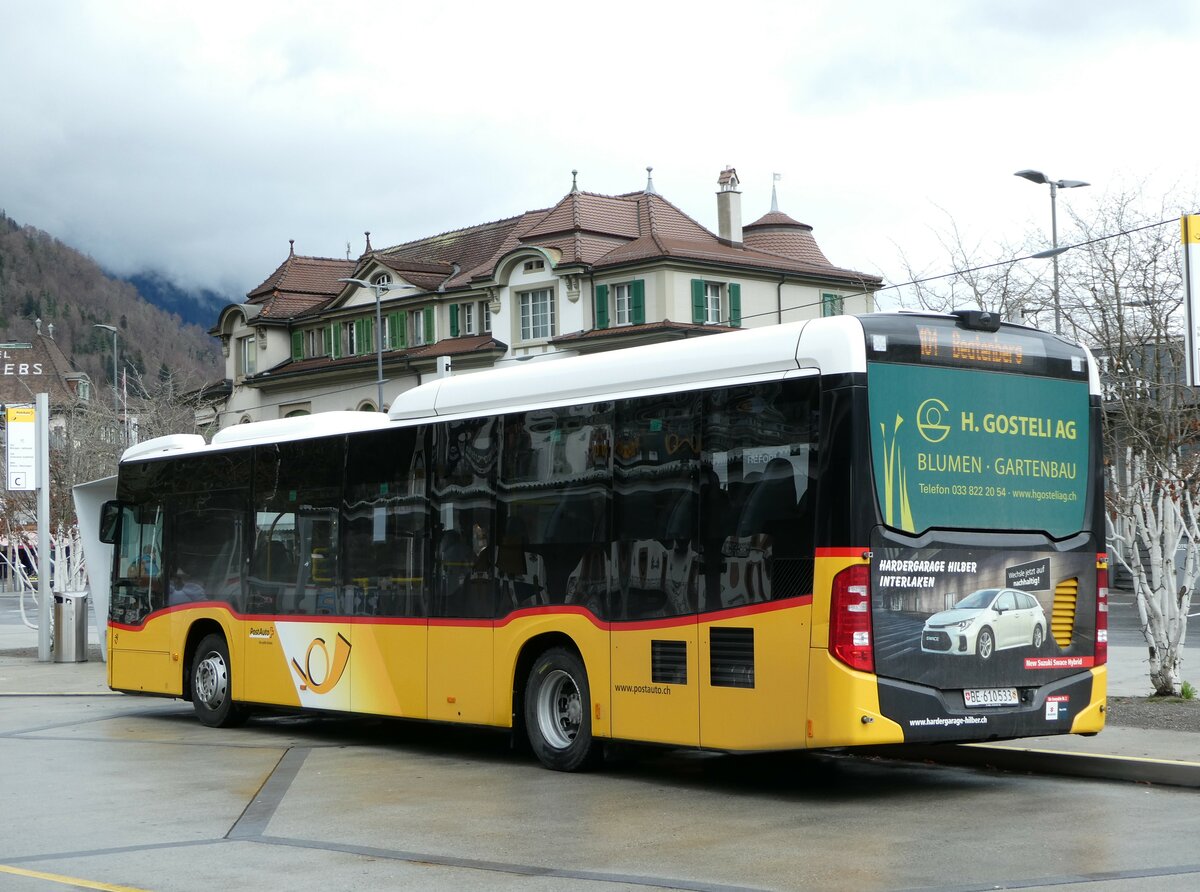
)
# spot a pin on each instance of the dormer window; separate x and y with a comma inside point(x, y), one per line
point(382, 280)
point(532, 266)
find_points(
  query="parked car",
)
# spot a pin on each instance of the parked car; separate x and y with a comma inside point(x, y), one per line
point(985, 621)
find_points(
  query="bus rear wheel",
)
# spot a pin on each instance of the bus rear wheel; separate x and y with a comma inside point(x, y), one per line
point(212, 691)
point(557, 717)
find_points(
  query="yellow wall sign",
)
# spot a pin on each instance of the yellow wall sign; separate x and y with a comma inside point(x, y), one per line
point(20, 451)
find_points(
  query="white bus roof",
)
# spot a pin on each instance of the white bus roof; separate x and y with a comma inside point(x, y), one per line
point(742, 357)
point(835, 345)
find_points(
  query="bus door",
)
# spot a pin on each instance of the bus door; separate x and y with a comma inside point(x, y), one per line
point(139, 645)
point(463, 602)
point(291, 655)
point(656, 570)
point(385, 535)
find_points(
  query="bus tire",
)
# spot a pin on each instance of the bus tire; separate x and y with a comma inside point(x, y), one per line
point(985, 643)
point(212, 688)
point(558, 721)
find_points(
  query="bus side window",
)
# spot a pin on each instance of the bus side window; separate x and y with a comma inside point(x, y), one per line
point(656, 464)
point(464, 496)
point(759, 452)
point(385, 523)
point(139, 587)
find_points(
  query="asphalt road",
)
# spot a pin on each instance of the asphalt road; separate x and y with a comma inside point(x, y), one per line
point(132, 793)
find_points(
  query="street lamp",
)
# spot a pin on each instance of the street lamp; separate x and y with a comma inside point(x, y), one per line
point(1036, 176)
point(116, 403)
point(379, 288)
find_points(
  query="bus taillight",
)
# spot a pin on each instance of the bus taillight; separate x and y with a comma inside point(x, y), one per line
point(850, 618)
point(1101, 616)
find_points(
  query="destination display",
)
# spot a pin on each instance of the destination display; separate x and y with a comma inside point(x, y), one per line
point(978, 450)
point(937, 341)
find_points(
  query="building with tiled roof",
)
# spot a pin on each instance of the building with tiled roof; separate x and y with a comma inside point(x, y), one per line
point(592, 272)
point(40, 366)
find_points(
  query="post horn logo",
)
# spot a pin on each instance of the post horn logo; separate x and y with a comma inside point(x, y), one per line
point(334, 669)
point(931, 423)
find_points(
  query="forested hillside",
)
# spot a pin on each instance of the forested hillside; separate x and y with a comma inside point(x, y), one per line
point(42, 278)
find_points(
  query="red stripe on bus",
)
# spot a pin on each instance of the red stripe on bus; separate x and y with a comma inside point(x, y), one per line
point(751, 609)
point(564, 610)
point(842, 552)
point(464, 622)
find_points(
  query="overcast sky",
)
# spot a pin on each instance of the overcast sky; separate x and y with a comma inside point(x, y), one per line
point(198, 138)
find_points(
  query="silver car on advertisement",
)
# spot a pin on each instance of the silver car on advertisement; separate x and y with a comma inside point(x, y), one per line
point(985, 621)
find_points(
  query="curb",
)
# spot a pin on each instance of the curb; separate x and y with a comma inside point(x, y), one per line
point(1165, 772)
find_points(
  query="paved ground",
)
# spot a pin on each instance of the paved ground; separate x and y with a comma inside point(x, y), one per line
point(1139, 730)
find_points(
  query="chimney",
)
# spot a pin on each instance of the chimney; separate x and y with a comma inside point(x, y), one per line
point(729, 207)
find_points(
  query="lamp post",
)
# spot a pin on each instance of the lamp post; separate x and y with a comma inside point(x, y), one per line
point(1036, 176)
point(379, 288)
point(116, 403)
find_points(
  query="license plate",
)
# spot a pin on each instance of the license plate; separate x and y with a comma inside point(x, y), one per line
point(990, 697)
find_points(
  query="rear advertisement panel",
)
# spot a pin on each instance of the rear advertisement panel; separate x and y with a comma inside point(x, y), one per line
point(973, 449)
point(988, 619)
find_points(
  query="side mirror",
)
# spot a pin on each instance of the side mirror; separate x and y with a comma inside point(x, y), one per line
point(110, 522)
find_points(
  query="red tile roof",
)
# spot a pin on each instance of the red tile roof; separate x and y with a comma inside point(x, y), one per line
point(584, 227)
point(299, 285)
point(777, 233)
point(304, 275)
point(471, 248)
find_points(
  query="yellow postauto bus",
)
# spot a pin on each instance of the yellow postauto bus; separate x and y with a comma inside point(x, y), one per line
point(846, 531)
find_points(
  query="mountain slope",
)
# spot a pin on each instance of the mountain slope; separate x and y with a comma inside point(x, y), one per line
point(42, 278)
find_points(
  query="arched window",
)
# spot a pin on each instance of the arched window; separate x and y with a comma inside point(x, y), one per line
point(382, 279)
point(366, 406)
point(297, 413)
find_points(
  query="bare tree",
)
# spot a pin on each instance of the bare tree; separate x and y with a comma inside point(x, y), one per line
point(1004, 284)
point(1123, 292)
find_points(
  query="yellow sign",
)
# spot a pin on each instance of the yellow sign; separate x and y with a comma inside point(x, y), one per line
point(20, 450)
point(1190, 225)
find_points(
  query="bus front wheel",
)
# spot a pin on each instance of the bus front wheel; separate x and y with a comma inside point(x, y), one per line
point(212, 692)
point(557, 716)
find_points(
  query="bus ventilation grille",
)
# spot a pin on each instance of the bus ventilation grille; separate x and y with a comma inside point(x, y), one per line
point(1062, 622)
point(732, 655)
point(668, 662)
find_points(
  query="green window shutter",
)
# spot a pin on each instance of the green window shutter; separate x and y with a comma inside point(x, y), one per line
point(429, 325)
point(698, 301)
point(453, 320)
point(327, 340)
point(368, 340)
point(637, 301)
point(735, 304)
point(335, 341)
point(297, 346)
point(359, 334)
point(402, 329)
point(394, 334)
point(601, 306)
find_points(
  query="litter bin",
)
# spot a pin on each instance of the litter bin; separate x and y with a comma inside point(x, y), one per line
point(70, 627)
